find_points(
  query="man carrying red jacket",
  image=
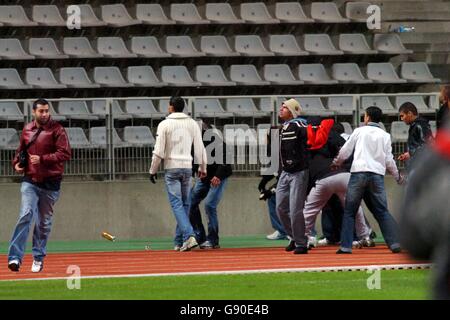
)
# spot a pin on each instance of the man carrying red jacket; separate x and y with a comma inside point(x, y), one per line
point(44, 147)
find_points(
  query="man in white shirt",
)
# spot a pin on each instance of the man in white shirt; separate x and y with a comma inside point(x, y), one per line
point(372, 157)
point(174, 139)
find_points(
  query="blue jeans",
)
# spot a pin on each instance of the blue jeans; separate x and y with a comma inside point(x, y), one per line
point(37, 204)
point(212, 195)
point(370, 187)
point(274, 220)
point(178, 186)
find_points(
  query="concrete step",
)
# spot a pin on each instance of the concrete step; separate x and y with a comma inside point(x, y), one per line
point(393, 15)
point(428, 38)
point(418, 6)
point(420, 26)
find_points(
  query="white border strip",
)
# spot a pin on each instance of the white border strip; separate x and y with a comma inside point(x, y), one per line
point(318, 269)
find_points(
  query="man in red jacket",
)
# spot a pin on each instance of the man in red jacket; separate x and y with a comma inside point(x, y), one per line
point(43, 149)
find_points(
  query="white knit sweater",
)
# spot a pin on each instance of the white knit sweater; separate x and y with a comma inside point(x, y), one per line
point(174, 138)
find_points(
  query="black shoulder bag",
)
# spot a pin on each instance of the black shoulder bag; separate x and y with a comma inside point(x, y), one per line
point(23, 154)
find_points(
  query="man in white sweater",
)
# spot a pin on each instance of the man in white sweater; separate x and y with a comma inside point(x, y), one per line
point(174, 139)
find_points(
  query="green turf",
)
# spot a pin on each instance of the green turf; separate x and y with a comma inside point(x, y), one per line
point(395, 284)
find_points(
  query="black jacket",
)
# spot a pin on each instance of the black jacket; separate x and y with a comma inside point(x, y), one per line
point(442, 115)
point(294, 155)
point(418, 134)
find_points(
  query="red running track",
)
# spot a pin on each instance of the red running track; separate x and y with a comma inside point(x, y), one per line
point(219, 260)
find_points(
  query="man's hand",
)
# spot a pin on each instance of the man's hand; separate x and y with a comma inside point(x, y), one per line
point(34, 159)
point(215, 181)
point(334, 166)
point(404, 156)
point(400, 179)
point(18, 168)
point(201, 174)
point(153, 178)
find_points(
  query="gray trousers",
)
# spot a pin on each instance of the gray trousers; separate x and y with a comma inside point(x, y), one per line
point(319, 196)
point(290, 199)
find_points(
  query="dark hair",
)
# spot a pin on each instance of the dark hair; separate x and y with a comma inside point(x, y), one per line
point(408, 107)
point(177, 103)
point(39, 101)
point(374, 114)
point(338, 127)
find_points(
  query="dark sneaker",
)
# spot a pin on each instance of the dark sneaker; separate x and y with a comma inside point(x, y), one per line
point(396, 250)
point(291, 246)
point(342, 252)
point(367, 242)
point(208, 245)
point(300, 250)
point(14, 265)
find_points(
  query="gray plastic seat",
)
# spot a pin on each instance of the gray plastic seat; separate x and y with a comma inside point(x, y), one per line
point(314, 74)
point(320, 44)
point(178, 76)
point(48, 15)
point(88, 17)
point(354, 43)
point(389, 44)
point(54, 114)
point(182, 46)
point(152, 13)
point(341, 105)
point(381, 102)
point(147, 47)
point(250, 45)
point(347, 127)
point(433, 127)
point(76, 109)
point(45, 48)
point(77, 138)
point(11, 49)
point(285, 45)
point(186, 13)
point(142, 108)
point(10, 111)
point(417, 72)
point(399, 131)
point(15, 16)
point(256, 12)
point(312, 106)
point(217, 46)
point(383, 73)
point(42, 78)
point(246, 74)
point(212, 75)
point(9, 139)
point(243, 107)
point(113, 47)
point(415, 100)
point(97, 137)
point(110, 77)
point(265, 104)
point(138, 136)
point(291, 12)
point(116, 15)
point(280, 74)
point(232, 136)
point(98, 108)
point(221, 13)
point(75, 78)
point(10, 79)
point(348, 73)
point(210, 108)
point(327, 12)
point(357, 11)
point(79, 47)
point(143, 76)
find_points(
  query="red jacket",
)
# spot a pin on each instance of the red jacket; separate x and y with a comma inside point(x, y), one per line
point(52, 145)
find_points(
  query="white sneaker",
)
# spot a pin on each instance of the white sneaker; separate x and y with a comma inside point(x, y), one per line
point(357, 245)
point(177, 247)
point(14, 265)
point(312, 242)
point(37, 266)
point(275, 236)
point(189, 244)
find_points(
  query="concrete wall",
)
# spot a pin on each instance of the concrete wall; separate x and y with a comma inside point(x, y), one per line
point(139, 209)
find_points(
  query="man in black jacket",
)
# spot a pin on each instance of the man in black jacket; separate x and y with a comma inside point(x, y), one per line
point(444, 109)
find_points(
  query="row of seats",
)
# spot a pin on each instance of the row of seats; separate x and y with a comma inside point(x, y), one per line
point(213, 75)
point(183, 46)
point(117, 15)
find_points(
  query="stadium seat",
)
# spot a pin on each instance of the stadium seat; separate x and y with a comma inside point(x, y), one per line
point(291, 12)
point(246, 74)
point(212, 75)
point(314, 74)
point(142, 108)
point(417, 72)
point(88, 17)
point(221, 13)
point(216, 46)
point(98, 138)
point(243, 107)
point(348, 73)
point(143, 76)
point(76, 109)
point(178, 76)
point(77, 138)
point(182, 46)
point(113, 47)
point(327, 12)
point(79, 47)
point(138, 136)
point(433, 127)
point(250, 45)
point(10, 111)
point(42, 78)
point(11, 49)
point(116, 15)
point(110, 77)
point(15, 16)
point(75, 78)
point(347, 127)
point(9, 139)
point(417, 101)
point(265, 104)
point(280, 74)
point(312, 106)
point(354, 43)
point(285, 45)
point(257, 13)
point(210, 108)
point(381, 102)
point(98, 108)
point(233, 138)
point(186, 13)
point(54, 114)
point(320, 44)
point(48, 15)
point(389, 44)
point(152, 13)
point(147, 47)
point(10, 79)
point(383, 73)
point(357, 11)
point(341, 105)
point(399, 131)
point(45, 48)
